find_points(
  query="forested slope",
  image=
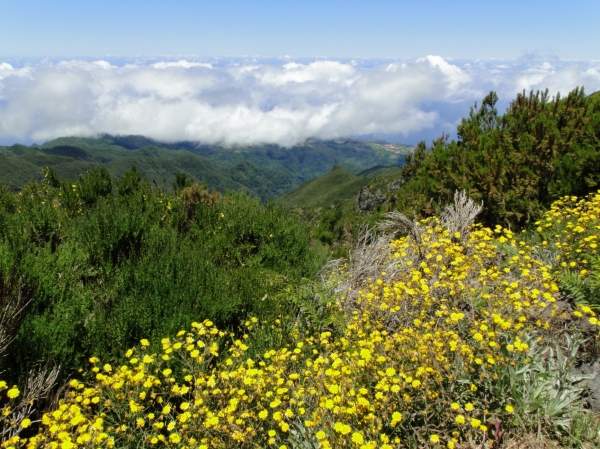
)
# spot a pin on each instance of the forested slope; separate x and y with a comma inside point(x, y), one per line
point(267, 171)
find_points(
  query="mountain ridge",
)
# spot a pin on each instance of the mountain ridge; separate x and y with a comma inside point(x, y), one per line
point(264, 170)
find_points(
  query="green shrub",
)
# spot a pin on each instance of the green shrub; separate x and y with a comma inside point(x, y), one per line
point(105, 271)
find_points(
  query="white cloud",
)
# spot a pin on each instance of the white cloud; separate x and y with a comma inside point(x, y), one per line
point(254, 102)
point(181, 63)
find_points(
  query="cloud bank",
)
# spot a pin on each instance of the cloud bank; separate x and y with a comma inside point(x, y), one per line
point(254, 101)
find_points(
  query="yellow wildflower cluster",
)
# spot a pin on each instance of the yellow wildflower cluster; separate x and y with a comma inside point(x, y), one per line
point(574, 227)
point(421, 360)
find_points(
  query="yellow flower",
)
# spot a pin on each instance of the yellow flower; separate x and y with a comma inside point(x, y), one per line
point(25, 423)
point(144, 342)
point(469, 407)
point(13, 393)
point(213, 421)
point(357, 438)
point(396, 418)
point(342, 428)
point(460, 419)
point(434, 438)
point(509, 408)
point(455, 406)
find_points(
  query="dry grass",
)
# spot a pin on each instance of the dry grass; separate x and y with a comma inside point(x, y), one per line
point(530, 441)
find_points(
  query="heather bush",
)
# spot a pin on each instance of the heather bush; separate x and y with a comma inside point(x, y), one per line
point(93, 266)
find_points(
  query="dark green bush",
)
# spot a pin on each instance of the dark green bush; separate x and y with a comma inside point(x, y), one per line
point(518, 163)
point(105, 271)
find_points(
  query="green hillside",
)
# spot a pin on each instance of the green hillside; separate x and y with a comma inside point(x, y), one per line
point(380, 170)
point(72, 156)
point(267, 171)
point(338, 184)
point(303, 160)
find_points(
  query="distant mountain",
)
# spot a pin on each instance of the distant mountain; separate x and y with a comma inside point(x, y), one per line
point(305, 161)
point(70, 157)
point(337, 185)
point(380, 170)
point(265, 170)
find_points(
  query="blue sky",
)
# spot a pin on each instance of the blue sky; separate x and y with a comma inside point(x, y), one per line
point(247, 72)
point(504, 29)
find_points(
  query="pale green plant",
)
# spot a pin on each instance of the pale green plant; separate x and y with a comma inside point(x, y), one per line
point(544, 385)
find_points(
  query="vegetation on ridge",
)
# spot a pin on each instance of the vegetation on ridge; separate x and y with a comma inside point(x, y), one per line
point(338, 184)
point(517, 164)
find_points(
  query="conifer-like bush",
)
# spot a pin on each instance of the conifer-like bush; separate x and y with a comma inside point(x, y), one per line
point(517, 163)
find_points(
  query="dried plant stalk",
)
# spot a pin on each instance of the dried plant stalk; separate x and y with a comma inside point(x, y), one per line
point(460, 215)
point(371, 257)
point(38, 387)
